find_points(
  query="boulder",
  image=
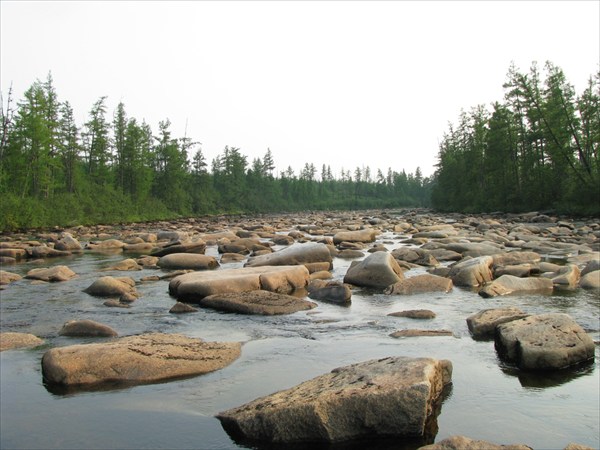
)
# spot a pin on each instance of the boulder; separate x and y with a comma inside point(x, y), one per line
point(465, 443)
point(56, 273)
point(86, 328)
point(415, 256)
point(16, 253)
point(110, 287)
point(517, 270)
point(68, 243)
point(350, 254)
point(11, 340)
point(420, 284)
point(192, 261)
point(194, 286)
point(378, 270)
point(567, 277)
point(442, 254)
point(256, 302)
point(389, 397)
point(140, 247)
point(329, 291)
point(472, 272)
point(544, 342)
point(482, 325)
point(8, 277)
point(414, 314)
point(509, 284)
point(42, 251)
point(148, 261)
point(125, 265)
point(109, 244)
point(591, 266)
point(231, 258)
point(182, 308)
point(516, 258)
point(590, 280)
point(198, 247)
point(366, 235)
point(473, 249)
point(296, 254)
point(140, 359)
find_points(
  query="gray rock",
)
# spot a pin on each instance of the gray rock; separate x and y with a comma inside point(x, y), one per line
point(414, 314)
point(411, 332)
point(509, 284)
point(420, 284)
point(140, 359)
point(472, 272)
point(330, 291)
point(197, 248)
point(256, 302)
point(86, 328)
point(68, 243)
point(544, 342)
point(378, 270)
point(388, 397)
point(482, 325)
point(181, 308)
point(591, 266)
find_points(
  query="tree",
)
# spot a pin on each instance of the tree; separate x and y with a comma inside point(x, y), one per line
point(96, 140)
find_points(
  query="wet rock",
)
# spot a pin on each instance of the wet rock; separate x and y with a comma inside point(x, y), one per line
point(543, 342)
point(109, 244)
point(15, 253)
point(411, 332)
point(366, 235)
point(474, 249)
point(350, 254)
point(575, 446)
point(227, 258)
point(6, 260)
point(194, 286)
point(116, 304)
point(256, 302)
point(509, 284)
point(567, 277)
point(294, 255)
point(378, 270)
point(68, 243)
point(140, 359)
point(42, 251)
point(140, 247)
point(182, 308)
point(330, 291)
point(519, 270)
point(110, 287)
point(465, 443)
point(414, 314)
point(190, 261)
point(388, 397)
point(419, 284)
point(482, 325)
point(128, 297)
point(196, 248)
point(281, 239)
point(591, 266)
point(8, 277)
point(56, 273)
point(10, 340)
point(472, 272)
point(415, 256)
point(516, 258)
point(442, 254)
point(125, 265)
point(148, 261)
point(86, 328)
point(590, 280)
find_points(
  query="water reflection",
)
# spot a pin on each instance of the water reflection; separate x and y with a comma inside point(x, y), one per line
point(548, 379)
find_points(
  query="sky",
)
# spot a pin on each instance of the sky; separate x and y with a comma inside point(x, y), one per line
point(342, 83)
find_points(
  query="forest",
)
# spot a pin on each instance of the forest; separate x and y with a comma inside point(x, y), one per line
point(536, 150)
point(115, 168)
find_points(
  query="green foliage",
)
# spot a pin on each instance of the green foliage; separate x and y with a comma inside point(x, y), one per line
point(537, 150)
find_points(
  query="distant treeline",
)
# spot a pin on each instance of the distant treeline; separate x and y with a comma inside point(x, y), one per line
point(538, 149)
point(54, 172)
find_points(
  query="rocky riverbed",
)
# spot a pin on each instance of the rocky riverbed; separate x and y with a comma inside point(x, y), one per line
point(150, 335)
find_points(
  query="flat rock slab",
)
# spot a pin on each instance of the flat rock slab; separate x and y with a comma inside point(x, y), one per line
point(140, 359)
point(192, 287)
point(414, 314)
point(56, 273)
point(465, 443)
point(387, 397)
point(256, 302)
point(420, 284)
point(417, 333)
point(482, 325)
point(308, 253)
point(510, 284)
point(544, 342)
point(10, 340)
point(192, 261)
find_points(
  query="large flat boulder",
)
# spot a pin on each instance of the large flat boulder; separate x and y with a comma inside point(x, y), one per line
point(392, 396)
point(420, 284)
point(296, 254)
point(482, 324)
point(366, 235)
point(56, 273)
point(378, 270)
point(192, 287)
point(509, 284)
point(256, 302)
point(140, 359)
point(544, 342)
point(472, 272)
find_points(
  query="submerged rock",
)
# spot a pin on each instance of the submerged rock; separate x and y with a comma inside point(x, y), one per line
point(86, 328)
point(256, 302)
point(10, 340)
point(411, 332)
point(465, 443)
point(136, 359)
point(420, 284)
point(392, 396)
point(414, 314)
point(330, 291)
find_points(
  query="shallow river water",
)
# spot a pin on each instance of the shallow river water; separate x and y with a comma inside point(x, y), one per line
point(488, 400)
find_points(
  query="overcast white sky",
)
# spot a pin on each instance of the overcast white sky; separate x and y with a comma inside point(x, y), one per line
point(340, 83)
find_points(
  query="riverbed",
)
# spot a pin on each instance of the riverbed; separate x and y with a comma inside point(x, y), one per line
point(488, 399)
